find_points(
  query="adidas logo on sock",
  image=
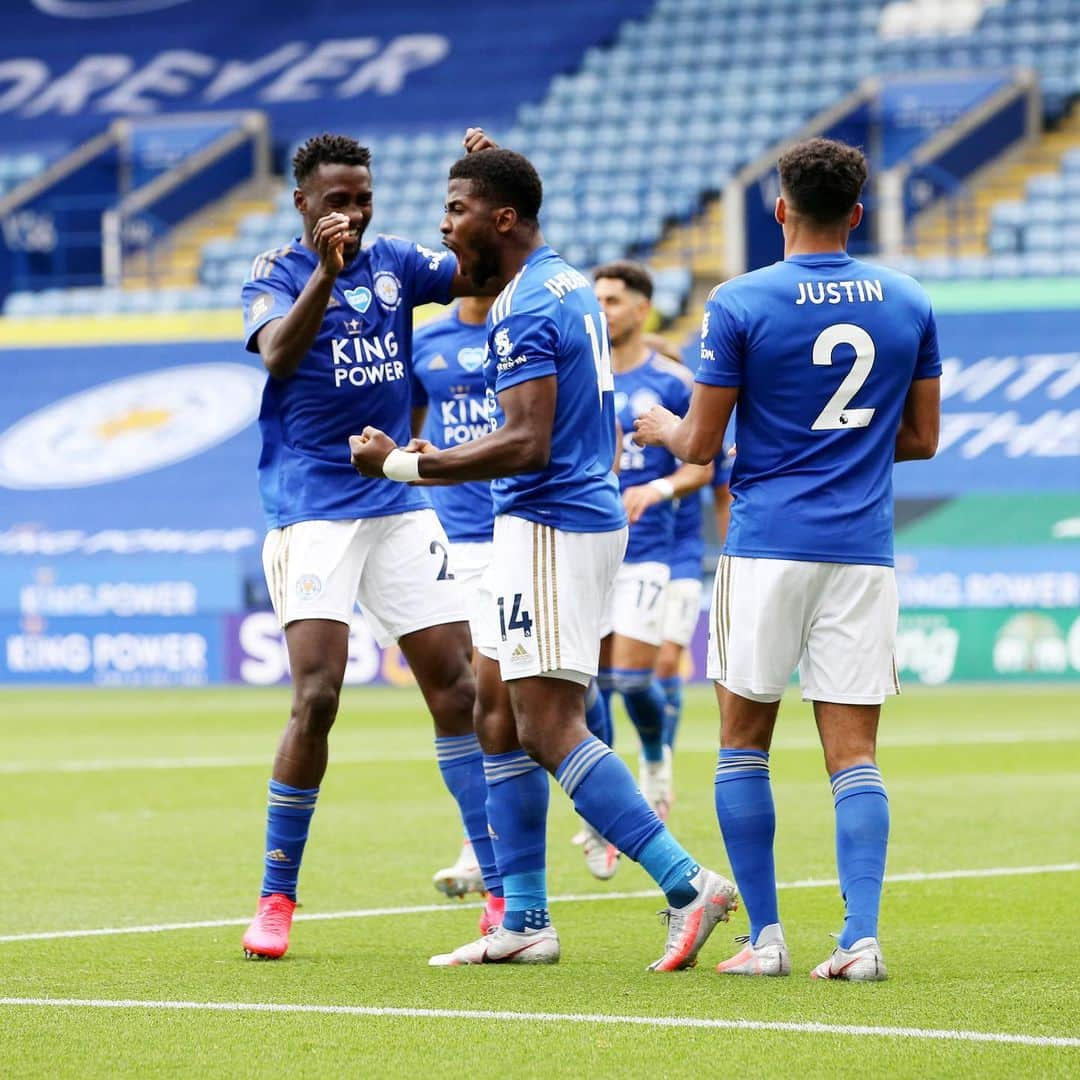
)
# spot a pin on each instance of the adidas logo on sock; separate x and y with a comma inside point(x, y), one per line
point(277, 855)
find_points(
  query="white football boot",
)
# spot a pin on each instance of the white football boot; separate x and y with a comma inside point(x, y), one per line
point(502, 946)
point(766, 956)
point(601, 858)
point(863, 962)
point(462, 877)
point(690, 926)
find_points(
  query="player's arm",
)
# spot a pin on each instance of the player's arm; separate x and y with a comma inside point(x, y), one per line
point(521, 444)
point(699, 436)
point(419, 415)
point(283, 343)
point(685, 479)
point(917, 437)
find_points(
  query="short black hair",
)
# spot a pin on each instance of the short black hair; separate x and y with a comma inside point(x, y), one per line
point(327, 149)
point(823, 178)
point(503, 177)
point(633, 275)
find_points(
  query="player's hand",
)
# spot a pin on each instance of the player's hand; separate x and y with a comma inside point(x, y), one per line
point(636, 500)
point(476, 139)
point(329, 236)
point(421, 446)
point(652, 429)
point(369, 451)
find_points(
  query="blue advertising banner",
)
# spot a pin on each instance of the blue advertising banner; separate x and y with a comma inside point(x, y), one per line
point(180, 651)
point(1010, 392)
point(70, 66)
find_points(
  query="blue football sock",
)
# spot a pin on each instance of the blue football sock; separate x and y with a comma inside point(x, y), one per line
point(605, 682)
point(645, 704)
point(517, 804)
point(606, 796)
point(744, 809)
point(597, 714)
point(862, 837)
point(672, 687)
point(461, 762)
point(288, 815)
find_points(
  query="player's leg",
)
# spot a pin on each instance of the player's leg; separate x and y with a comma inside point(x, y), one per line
point(311, 571)
point(575, 574)
point(408, 584)
point(764, 599)
point(682, 606)
point(463, 876)
point(848, 671)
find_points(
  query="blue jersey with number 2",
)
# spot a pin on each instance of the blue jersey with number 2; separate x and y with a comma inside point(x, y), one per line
point(823, 349)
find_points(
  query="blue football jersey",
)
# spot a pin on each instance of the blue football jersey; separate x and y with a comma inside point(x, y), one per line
point(356, 373)
point(547, 322)
point(448, 378)
point(658, 381)
point(823, 349)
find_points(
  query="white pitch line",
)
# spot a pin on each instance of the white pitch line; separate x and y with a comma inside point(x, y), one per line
point(568, 898)
point(807, 1028)
point(896, 741)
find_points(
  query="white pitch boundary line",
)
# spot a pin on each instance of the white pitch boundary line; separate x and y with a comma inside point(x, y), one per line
point(569, 898)
point(896, 741)
point(807, 1028)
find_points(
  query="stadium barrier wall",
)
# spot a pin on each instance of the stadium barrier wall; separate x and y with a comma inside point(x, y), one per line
point(130, 531)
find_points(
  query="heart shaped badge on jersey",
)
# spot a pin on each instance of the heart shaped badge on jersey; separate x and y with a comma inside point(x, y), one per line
point(471, 359)
point(359, 298)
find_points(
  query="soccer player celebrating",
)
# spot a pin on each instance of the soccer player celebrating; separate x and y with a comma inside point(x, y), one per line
point(333, 324)
point(560, 534)
point(832, 367)
point(450, 407)
point(649, 478)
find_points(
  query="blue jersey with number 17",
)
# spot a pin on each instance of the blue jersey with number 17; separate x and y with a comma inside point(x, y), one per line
point(823, 349)
point(547, 322)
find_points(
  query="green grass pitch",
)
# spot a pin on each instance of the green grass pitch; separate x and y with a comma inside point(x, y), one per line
point(144, 808)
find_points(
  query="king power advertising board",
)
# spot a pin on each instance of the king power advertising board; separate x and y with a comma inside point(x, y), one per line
point(131, 534)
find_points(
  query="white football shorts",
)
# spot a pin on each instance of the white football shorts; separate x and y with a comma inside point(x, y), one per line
point(546, 595)
point(398, 568)
point(682, 605)
point(470, 561)
point(835, 622)
point(638, 606)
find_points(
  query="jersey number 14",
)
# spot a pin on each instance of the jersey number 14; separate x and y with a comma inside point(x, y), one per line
point(601, 350)
point(836, 414)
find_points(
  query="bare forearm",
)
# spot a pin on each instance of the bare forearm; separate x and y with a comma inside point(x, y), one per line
point(294, 335)
point(688, 478)
point(501, 453)
point(912, 445)
point(692, 445)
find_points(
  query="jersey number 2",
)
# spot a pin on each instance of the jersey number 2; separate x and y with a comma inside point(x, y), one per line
point(836, 414)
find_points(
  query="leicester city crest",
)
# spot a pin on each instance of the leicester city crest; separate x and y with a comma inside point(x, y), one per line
point(387, 289)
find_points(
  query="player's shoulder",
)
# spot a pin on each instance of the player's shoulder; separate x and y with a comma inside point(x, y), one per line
point(733, 292)
point(894, 282)
point(280, 258)
point(671, 370)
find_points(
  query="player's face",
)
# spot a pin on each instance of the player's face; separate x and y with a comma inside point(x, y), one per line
point(338, 189)
point(626, 309)
point(468, 230)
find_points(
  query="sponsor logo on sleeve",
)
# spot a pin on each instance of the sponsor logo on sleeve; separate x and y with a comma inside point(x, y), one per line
point(260, 306)
point(434, 258)
point(503, 345)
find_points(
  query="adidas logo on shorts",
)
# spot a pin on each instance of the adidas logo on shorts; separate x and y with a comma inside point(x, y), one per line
point(520, 653)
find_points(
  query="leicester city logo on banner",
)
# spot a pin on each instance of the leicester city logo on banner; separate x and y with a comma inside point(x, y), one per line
point(129, 426)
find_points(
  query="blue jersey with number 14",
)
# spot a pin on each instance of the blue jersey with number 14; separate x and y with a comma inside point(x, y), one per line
point(823, 349)
point(547, 322)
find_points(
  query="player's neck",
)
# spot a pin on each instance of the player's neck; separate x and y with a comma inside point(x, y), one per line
point(801, 238)
point(631, 354)
point(514, 256)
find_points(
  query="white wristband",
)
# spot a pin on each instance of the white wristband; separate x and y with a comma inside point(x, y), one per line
point(402, 466)
point(664, 486)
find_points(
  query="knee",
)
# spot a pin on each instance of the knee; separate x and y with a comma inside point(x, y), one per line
point(315, 705)
point(531, 740)
point(452, 705)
